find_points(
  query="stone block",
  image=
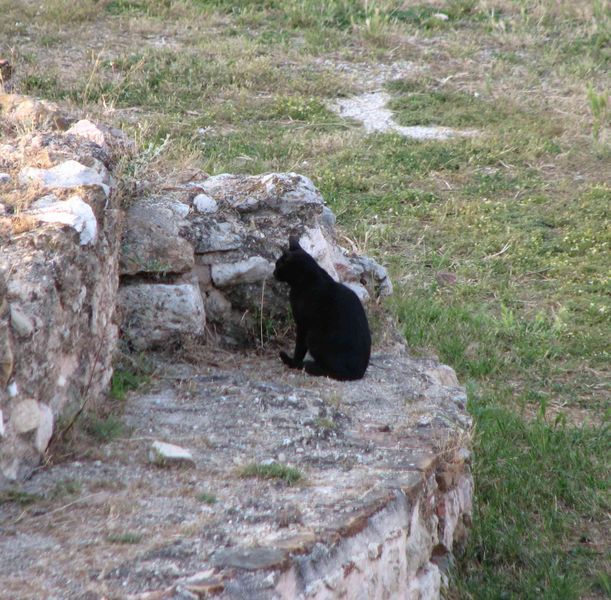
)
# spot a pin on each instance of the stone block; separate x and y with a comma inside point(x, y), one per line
point(164, 454)
point(25, 416)
point(153, 314)
point(151, 241)
point(254, 269)
point(68, 174)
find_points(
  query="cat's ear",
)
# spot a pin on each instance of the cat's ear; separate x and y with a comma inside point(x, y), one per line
point(294, 243)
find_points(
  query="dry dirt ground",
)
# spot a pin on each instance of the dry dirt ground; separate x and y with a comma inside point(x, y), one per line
point(113, 523)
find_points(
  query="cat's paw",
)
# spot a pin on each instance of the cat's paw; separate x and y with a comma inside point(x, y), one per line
point(287, 360)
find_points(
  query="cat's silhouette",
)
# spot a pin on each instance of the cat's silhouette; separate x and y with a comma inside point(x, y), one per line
point(330, 320)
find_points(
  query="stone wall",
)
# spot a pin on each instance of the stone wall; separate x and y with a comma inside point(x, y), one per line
point(59, 240)
point(204, 252)
point(190, 259)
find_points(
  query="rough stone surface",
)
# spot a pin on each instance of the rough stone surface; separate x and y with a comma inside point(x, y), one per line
point(237, 228)
point(368, 520)
point(25, 416)
point(153, 314)
point(69, 174)
point(205, 204)
point(22, 325)
point(151, 241)
point(57, 283)
point(385, 494)
point(256, 268)
point(73, 212)
point(31, 112)
point(44, 430)
point(111, 139)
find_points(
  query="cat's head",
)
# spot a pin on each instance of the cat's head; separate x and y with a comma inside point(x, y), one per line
point(295, 266)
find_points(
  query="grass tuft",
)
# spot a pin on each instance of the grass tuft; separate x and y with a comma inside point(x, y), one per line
point(274, 470)
point(124, 538)
point(206, 498)
point(18, 497)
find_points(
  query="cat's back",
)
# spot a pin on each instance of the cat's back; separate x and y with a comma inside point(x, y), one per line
point(350, 311)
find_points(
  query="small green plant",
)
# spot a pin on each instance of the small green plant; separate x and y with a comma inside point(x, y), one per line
point(273, 470)
point(327, 424)
point(124, 380)
point(301, 109)
point(18, 497)
point(334, 399)
point(599, 105)
point(104, 429)
point(206, 498)
point(124, 538)
point(65, 487)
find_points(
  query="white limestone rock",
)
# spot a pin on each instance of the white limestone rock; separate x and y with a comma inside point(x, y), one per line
point(68, 174)
point(20, 322)
point(252, 270)
point(426, 585)
point(285, 192)
point(217, 236)
point(156, 313)
point(205, 204)
point(326, 255)
point(151, 240)
point(111, 139)
point(25, 416)
point(443, 375)
point(164, 454)
point(45, 428)
point(88, 130)
point(73, 212)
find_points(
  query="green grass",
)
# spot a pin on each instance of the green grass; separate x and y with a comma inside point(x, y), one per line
point(124, 380)
point(18, 497)
point(536, 531)
point(124, 538)
point(519, 214)
point(206, 498)
point(104, 429)
point(274, 470)
point(65, 488)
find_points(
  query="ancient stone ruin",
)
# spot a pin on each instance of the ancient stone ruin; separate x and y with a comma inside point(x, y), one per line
point(385, 487)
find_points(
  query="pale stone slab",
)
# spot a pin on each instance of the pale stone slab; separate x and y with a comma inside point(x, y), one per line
point(25, 416)
point(45, 428)
point(163, 453)
point(73, 211)
point(254, 269)
point(20, 322)
point(156, 313)
point(68, 174)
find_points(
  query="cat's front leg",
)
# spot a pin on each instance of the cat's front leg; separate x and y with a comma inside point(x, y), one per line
point(301, 348)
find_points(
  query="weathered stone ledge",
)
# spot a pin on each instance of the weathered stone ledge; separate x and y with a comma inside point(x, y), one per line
point(384, 501)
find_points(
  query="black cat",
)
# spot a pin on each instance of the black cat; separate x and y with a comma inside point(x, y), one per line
point(331, 323)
